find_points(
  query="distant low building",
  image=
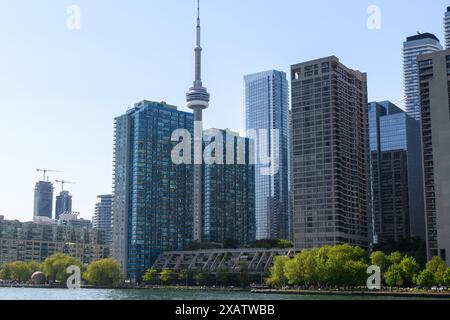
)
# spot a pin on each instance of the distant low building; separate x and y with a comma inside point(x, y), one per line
point(36, 241)
point(103, 214)
point(255, 261)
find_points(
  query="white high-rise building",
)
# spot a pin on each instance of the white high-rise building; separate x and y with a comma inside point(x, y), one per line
point(413, 47)
point(447, 28)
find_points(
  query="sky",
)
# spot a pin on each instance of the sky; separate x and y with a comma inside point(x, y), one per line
point(61, 88)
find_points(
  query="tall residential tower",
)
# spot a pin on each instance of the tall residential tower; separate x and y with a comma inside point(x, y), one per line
point(152, 206)
point(43, 199)
point(63, 203)
point(330, 154)
point(413, 47)
point(267, 113)
point(447, 28)
point(434, 70)
point(229, 189)
point(103, 214)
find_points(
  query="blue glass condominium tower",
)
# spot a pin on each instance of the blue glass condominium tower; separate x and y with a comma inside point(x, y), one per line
point(396, 172)
point(229, 190)
point(267, 108)
point(43, 199)
point(152, 195)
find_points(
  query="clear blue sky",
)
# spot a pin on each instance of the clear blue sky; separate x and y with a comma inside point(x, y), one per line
point(61, 89)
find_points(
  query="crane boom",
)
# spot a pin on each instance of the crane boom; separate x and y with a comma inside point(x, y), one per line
point(45, 178)
point(63, 182)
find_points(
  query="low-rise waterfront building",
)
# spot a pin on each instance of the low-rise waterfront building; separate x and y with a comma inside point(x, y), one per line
point(31, 241)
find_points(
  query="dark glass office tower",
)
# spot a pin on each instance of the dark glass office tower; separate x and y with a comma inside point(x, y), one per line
point(63, 204)
point(396, 171)
point(43, 199)
point(153, 209)
point(330, 154)
point(229, 190)
point(434, 71)
point(267, 110)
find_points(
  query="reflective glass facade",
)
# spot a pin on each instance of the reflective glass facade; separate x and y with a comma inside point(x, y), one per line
point(396, 175)
point(229, 192)
point(152, 196)
point(413, 47)
point(43, 199)
point(267, 108)
point(63, 204)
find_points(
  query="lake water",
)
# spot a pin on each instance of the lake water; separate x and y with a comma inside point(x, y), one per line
point(156, 294)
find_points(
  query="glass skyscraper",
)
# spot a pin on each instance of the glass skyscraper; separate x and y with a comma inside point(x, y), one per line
point(396, 172)
point(413, 47)
point(153, 209)
point(43, 199)
point(267, 108)
point(229, 190)
point(63, 204)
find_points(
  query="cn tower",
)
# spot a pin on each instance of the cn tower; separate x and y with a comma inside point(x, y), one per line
point(198, 100)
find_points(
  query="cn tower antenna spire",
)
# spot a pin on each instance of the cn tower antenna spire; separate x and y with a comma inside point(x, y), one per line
point(197, 99)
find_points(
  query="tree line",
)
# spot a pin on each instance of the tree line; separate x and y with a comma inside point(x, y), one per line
point(104, 272)
point(346, 266)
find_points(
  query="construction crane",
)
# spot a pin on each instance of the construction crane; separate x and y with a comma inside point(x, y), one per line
point(45, 178)
point(63, 182)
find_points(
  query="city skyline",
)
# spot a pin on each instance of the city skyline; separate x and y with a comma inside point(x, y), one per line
point(64, 81)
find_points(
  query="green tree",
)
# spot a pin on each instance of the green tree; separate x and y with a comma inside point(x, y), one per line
point(437, 267)
point(166, 275)
point(104, 272)
point(201, 278)
point(21, 271)
point(379, 259)
point(356, 273)
point(183, 276)
point(395, 258)
point(410, 269)
point(394, 276)
point(425, 279)
point(284, 244)
point(244, 276)
point(6, 271)
point(55, 266)
point(277, 276)
point(447, 277)
point(223, 278)
point(294, 269)
point(150, 275)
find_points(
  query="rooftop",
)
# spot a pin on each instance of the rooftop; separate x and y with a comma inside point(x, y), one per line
point(422, 36)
